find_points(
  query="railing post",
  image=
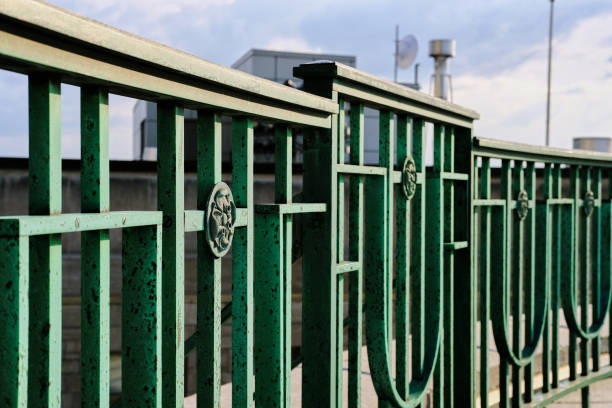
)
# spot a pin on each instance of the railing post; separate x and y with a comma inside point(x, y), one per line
point(209, 266)
point(95, 250)
point(45, 198)
point(464, 277)
point(141, 314)
point(14, 280)
point(170, 200)
point(242, 265)
point(319, 281)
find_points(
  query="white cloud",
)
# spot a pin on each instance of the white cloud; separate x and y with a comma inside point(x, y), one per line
point(512, 103)
point(291, 44)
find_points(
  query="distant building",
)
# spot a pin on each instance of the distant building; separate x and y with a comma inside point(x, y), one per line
point(276, 66)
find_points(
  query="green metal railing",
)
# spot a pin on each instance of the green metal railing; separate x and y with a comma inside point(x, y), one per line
point(494, 237)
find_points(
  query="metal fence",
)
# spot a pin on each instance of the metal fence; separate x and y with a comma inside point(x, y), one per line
point(431, 252)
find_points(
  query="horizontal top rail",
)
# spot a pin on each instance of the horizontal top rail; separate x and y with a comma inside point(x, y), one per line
point(520, 151)
point(30, 225)
point(377, 92)
point(38, 36)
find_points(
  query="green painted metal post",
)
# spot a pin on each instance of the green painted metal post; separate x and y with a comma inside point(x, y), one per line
point(449, 269)
point(273, 287)
point(465, 289)
point(170, 200)
point(596, 266)
point(435, 243)
point(556, 277)
point(45, 198)
point(209, 267)
point(339, 295)
point(319, 283)
point(95, 251)
point(504, 268)
point(418, 262)
point(485, 279)
point(271, 388)
point(14, 281)
point(517, 247)
point(141, 318)
point(545, 263)
point(242, 266)
point(356, 221)
point(402, 284)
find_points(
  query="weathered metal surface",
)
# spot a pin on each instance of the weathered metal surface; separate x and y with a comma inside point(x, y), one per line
point(171, 201)
point(141, 317)
point(14, 285)
point(242, 266)
point(95, 251)
point(45, 198)
point(208, 266)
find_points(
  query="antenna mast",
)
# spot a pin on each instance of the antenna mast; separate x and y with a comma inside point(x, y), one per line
point(550, 33)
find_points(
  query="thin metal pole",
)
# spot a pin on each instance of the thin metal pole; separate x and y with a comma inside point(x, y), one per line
point(550, 34)
point(396, 52)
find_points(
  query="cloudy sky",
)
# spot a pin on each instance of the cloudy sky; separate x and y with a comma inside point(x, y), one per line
point(500, 68)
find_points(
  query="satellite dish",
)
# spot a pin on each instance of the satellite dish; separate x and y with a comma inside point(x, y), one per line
point(407, 49)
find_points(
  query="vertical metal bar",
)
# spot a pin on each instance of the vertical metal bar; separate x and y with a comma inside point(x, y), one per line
point(283, 170)
point(318, 274)
point(141, 344)
point(45, 198)
point(485, 286)
point(449, 267)
point(269, 308)
point(287, 292)
point(95, 250)
point(208, 266)
point(284, 192)
point(530, 269)
point(585, 274)
point(596, 254)
point(435, 205)
point(340, 258)
point(170, 200)
point(273, 288)
point(356, 254)
point(417, 267)
point(518, 256)
point(402, 305)
point(14, 281)
point(242, 265)
point(465, 284)
point(543, 243)
point(556, 276)
point(570, 227)
point(386, 158)
point(606, 239)
point(504, 249)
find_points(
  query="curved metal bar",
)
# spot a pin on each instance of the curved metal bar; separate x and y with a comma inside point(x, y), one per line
point(499, 316)
point(568, 287)
point(379, 354)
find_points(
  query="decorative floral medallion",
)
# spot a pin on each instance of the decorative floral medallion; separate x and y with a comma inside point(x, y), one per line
point(522, 205)
point(220, 219)
point(409, 178)
point(589, 203)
